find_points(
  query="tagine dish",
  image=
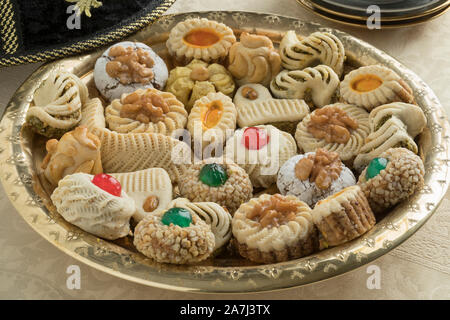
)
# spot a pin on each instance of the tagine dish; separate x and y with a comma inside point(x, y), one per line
point(208, 148)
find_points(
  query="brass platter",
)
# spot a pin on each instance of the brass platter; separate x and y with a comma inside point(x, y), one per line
point(21, 153)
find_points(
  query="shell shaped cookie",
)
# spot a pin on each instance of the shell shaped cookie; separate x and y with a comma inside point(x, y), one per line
point(319, 46)
point(375, 85)
point(151, 190)
point(216, 180)
point(203, 39)
point(217, 217)
point(254, 59)
point(173, 243)
point(348, 150)
point(93, 115)
point(198, 79)
point(148, 72)
point(308, 191)
point(92, 209)
point(76, 151)
point(317, 85)
point(261, 151)
point(402, 176)
point(211, 117)
point(274, 228)
point(56, 107)
point(255, 106)
point(148, 110)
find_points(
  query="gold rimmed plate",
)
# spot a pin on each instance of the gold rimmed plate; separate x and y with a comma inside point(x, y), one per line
point(21, 153)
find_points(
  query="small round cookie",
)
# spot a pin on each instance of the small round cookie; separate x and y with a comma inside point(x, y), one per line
point(216, 180)
point(338, 127)
point(343, 216)
point(261, 151)
point(314, 176)
point(148, 110)
point(372, 86)
point(203, 39)
point(174, 236)
point(128, 66)
point(274, 228)
point(392, 177)
point(95, 204)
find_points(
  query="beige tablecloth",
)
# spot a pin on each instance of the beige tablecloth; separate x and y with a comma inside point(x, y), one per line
point(32, 268)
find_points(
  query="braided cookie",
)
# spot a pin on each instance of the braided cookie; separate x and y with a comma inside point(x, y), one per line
point(148, 110)
point(372, 86)
point(338, 127)
point(56, 107)
point(316, 85)
point(322, 47)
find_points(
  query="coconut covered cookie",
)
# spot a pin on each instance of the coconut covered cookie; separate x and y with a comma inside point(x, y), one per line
point(128, 66)
point(314, 176)
point(392, 177)
point(175, 235)
point(274, 228)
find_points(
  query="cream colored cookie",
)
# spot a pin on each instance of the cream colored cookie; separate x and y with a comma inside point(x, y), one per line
point(317, 85)
point(322, 47)
point(255, 105)
point(151, 190)
point(93, 114)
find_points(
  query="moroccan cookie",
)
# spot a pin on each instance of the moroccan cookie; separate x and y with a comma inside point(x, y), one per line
point(93, 115)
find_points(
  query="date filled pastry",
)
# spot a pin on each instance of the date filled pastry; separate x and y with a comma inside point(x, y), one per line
point(392, 125)
point(316, 85)
point(203, 39)
point(372, 86)
point(314, 176)
point(254, 60)
point(151, 190)
point(211, 117)
point(57, 103)
point(216, 216)
point(318, 48)
point(76, 151)
point(392, 177)
point(338, 127)
point(96, 204)
point(274, 228)
point(148, 110)
point(197, 80)
point(261, 151)
point(255, 106)
point(217, 180)
point(343, 216)
point(175, 235)
point(128, 66)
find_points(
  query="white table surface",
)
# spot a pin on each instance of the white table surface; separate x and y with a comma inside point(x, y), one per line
point(32, 268)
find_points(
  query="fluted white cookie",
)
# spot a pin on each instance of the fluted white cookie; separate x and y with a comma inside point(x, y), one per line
point(93, 114)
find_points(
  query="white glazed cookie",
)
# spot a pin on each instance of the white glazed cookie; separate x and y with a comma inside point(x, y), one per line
point(372, 86)
point(93, 115)
point(151, 71)
point(356, 137)
point(76, 151)
point(56, 107)
point(92, 209)
point(254, 60)
point(151, 190)
point(203, 39)
point(261, 151)
point(213, 214)
point(148, 110)
point(315, 84)
point(255, 105)
point(322, 47)
point(274, 228)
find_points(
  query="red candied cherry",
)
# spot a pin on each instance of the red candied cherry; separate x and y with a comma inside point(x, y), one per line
point(254, 138)
point(107, 183)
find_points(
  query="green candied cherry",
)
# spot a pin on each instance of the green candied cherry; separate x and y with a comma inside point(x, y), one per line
point(213, 175)
point(178, 216)
point(375, 167)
